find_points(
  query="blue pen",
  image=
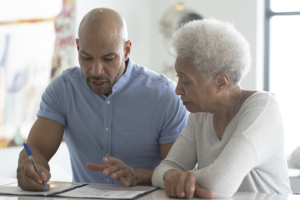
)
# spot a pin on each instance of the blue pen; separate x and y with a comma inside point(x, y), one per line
point(29, 153)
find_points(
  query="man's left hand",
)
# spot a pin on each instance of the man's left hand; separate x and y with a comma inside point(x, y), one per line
point(117, 170)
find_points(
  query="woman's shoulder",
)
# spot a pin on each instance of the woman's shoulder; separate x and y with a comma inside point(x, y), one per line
point(260, 99)
point(260, 96)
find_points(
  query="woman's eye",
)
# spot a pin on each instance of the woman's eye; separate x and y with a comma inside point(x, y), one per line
point(86, 58)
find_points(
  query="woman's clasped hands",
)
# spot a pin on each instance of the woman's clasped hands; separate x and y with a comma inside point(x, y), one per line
point(183, 185)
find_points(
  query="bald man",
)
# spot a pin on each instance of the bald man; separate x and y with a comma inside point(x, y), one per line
point(119, 119)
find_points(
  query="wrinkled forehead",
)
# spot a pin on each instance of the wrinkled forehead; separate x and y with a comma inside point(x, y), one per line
point(185, 68)
point(97, 27)
point(182, 64)
point(100, 42)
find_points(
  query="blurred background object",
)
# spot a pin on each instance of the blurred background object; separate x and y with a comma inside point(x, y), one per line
point(172, 19)
point(37, 43)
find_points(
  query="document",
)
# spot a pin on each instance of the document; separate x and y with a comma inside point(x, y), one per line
point(81, 190)
point(55, 188)
point(108, 191)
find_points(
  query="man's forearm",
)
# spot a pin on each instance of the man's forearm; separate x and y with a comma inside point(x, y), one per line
point(144, 176)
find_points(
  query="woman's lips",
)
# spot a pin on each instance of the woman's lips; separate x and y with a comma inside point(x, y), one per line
point(185, 103)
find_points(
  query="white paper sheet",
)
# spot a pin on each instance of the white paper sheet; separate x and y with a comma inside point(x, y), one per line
point(107, 191)
point(55, 187)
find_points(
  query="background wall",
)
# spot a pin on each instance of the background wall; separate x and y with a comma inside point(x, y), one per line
point(143, 17)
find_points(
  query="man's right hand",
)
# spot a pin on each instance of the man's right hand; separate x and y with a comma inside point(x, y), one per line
point(29, 179)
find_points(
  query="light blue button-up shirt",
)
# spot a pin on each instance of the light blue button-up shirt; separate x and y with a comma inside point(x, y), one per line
point(142, 112)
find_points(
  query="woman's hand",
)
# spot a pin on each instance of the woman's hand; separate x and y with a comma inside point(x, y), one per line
point(183, 185)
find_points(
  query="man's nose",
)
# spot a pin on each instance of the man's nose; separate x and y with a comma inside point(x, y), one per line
point(97, 69)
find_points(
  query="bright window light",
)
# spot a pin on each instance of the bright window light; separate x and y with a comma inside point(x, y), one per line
point(14, 10)
point(285, 5)
point(284, 73)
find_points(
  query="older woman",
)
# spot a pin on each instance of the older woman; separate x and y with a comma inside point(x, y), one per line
point(235, 135)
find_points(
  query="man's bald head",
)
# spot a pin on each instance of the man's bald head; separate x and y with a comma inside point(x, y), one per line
point(103, 21)
point(103, 49)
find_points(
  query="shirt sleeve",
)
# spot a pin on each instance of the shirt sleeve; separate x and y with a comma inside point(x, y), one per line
point(52, 105)
point(171, 115)
point(182, 156)
point(257, 138)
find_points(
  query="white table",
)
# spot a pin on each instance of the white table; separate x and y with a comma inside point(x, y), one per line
point(158, 195)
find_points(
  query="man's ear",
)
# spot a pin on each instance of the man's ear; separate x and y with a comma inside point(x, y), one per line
point(77, 44)
point(127, 49)
point(221, 81)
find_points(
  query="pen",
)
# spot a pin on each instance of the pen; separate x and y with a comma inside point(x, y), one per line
point(29, 153)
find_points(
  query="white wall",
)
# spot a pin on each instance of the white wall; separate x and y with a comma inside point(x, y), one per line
point(143, 18)
point(60, 165)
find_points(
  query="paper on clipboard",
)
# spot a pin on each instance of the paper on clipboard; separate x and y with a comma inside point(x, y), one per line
point(107, 191)
point(55, 188)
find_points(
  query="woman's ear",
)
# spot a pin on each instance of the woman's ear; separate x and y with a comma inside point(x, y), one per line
point(221, 81)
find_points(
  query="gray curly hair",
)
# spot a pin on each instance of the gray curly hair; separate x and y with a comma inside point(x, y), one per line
point(213, 46)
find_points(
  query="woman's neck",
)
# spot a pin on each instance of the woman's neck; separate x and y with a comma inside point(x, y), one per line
point(227, 104)
point(225, 114)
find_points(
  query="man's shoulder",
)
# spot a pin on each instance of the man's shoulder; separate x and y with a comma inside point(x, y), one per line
point(72, 72)
point(66, 77)
point(150, 76)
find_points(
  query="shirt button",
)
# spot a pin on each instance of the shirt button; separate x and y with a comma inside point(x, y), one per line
point(107, 180)
point(108, 102)
point(107, 155)
point(107, 129)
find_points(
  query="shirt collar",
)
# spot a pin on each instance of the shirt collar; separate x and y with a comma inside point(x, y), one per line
point(125, 77)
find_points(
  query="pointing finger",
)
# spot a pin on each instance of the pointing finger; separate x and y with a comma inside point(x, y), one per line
point(96, 167)
point(111, 160)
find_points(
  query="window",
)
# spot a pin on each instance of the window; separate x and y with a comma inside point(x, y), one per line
point(282, 63)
